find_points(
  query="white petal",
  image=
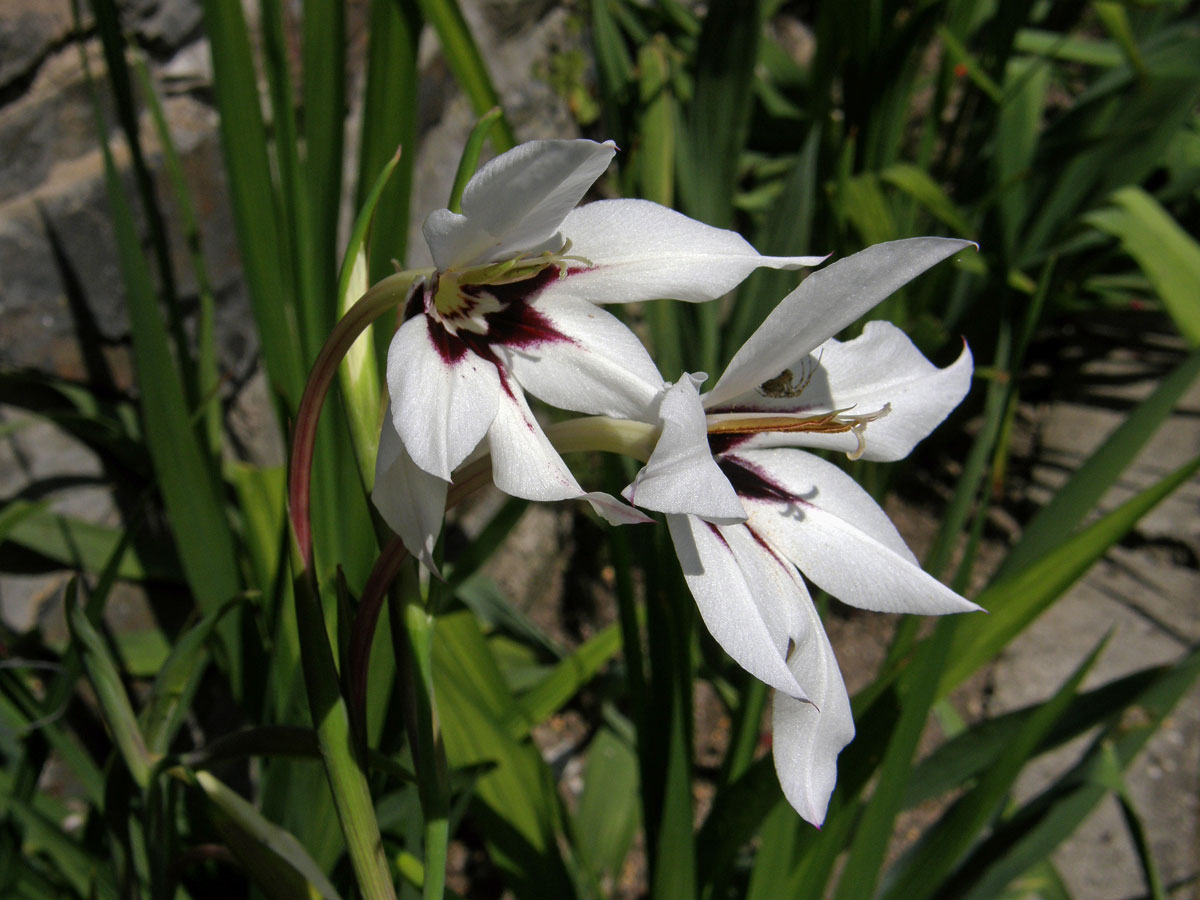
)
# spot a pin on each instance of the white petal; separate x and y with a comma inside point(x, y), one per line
point(827, 301)
point(516, 202)
point(442, 406)
point(643, 251)
point(840, 538)
point(613, 511)
point(880, 370)
point(411, 501)
point(807, 737)
point(732, 600)
point(681, 475)
point(601, 369)
point(524, 463)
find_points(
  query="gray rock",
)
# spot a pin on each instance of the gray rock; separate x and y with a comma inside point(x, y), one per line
point(29, 29)
point(163, 25)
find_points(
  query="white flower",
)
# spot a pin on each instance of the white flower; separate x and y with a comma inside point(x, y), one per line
point(748, 513)
point(511, 309)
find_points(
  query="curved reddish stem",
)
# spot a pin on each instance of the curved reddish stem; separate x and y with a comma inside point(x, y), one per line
point(362, 633)
point(388, 293)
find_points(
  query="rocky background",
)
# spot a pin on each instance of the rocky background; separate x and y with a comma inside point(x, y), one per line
point(62, 312)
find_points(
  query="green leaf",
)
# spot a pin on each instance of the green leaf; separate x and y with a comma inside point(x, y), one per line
point(341, 753)
point(490, 605)
point(1115, 20)
point(206, 377)
point(918, 184)
point(274, 859)
point(1015, 602)
point(1141, 843)
point(1031, 833)
point(324, 104)
point(604, 830)
point(467, 63)
point(87, 873)
point(1168, 255)
point(572, 673)
point(654, 168)
point(862, 201)
point(77, 544)
point(966, 756)
point(719, 114)
point(515, 804)
point(787, 231)
point(935, 855)
point(468, 163)
point(1088, 484)
point(1018, 129)
point(390, 122)
point(110, 692)
point(959, 53)
point(13, 514)
point(244, 140)
point(177, 681)
point(918, 691)
point(1069, 48)
point(736, 815)
point(614, 66)
point(185, 474)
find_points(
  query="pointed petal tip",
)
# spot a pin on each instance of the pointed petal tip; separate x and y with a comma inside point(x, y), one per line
point(613, 511)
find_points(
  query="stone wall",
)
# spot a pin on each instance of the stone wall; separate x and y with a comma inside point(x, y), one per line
point(62, 297)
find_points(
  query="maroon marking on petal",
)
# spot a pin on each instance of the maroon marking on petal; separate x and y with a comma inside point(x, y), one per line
point(505, 380)
point(420, 298)
point(449, 347)
point(717, 534)
point(518, 324)
point(783, 562)
point(751, 482)
point(722, 443)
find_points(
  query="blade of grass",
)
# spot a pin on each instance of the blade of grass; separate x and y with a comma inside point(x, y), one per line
point(468, 162)
point(1088, 484)
point(177, 681)
point(110, 692)
point(940, 848)
point(187, 479)
point(654, 165)
point(571, 674)
point(515, 804)
point(467, 63)
point(109, 26)
point(1141, 842)
point(605, 830)
point(206, 355)
point(389, 122)
point(918, 691)
point(244, 139)
point(970, 754)
point(1019, 599)
point(277, 862)
point(718, 125)
point(84, 545)
point(788, 230)
point(324, 95)
point(87, 873)
point(1167, 254)
point(1031, 834)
